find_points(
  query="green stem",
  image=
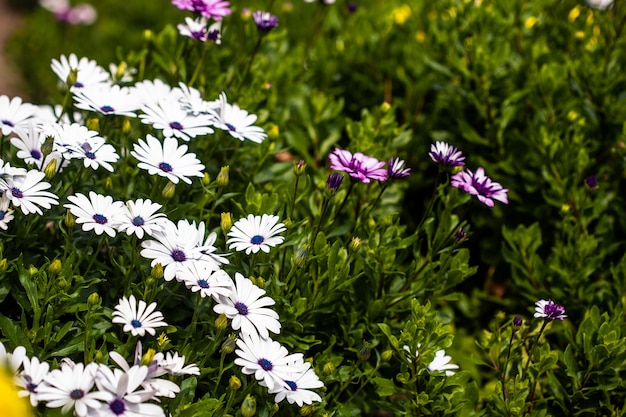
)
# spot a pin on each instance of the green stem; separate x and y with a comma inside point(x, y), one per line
point(530, 351)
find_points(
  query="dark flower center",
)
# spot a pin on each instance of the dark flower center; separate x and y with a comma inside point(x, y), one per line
point(2, 214)
point(257, 239)
point(31, 387)
point(100, 219)
point(231, 127)
point(78, 85)
point(135, 323)
point(138, 221)
point(213, 35)
point(198, 34)
point(77, 394)
point(265, 364)
point(292, 385)
point(241, 308)
point(90, 155)
point(117, 406)
point(107, 109)
point(178, 255)
point(176, 125)
point(35, 154)
point(553, 310)
point(203, 283)
point(165, 167)
point(16, 192)
point(8, 123)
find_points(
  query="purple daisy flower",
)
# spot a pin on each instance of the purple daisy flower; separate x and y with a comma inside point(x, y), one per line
point(396, 169)
point(359, 166)
point(481, 186)
point(446, 155)
point(265, 21)
point(549, 310)
point(213, 9)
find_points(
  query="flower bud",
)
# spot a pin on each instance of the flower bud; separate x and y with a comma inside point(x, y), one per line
point(93, 123)
point(46, 147)
point(307, 410)
point(221, 322)
point(260, 282)
point(460, 235)
point(32, 270)
point(169, 190)
point(50, 169)
point(364, 351)
point(229, 345)
point(206, 179)
point(274, 130)
point(385, 107)
point(3, 264)
point(299, 258)
point(98, 356)
point(108, 184)
point(157, 271)
point(517, 321)
point(222, 177)
point(55, 267)
point(162, 341)
point(226, 222)
point(120, 70)
point(248, 406)
point(299, 167)
point(94, 299)
point(334, 182)
point(126, 125)
point(148, 35)
point(69, 220)
point(61, 283)
point(148, 357)
point(386, 355)
point(355, 244)
point(72, 77)
point(234, 383)
point(328, 368)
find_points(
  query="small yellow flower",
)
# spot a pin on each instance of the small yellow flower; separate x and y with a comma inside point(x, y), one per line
point(401, 14)
point(420, 36)
point(565, 208)
point(11, 404)
point(530, 22)
point(579, 34)
point(573, 14)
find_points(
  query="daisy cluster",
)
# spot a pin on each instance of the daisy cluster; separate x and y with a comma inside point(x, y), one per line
point(366, 168)
point(95, 389)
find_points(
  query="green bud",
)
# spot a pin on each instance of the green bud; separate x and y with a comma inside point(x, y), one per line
point(93, 123)
point(50, 169)
point(364, 351)
point(222, 177)
point(229, 345)
point(234, 383)
point(221, 322)
point(98, 357)
point(48, 143)
point(94, 299)
point(126, 125)
point(226, 222)
point(385, 107)
point(274, 131)
point(148, 35)
point(147, 358)
point(299, 258)
point(299, 167)
point(3, 265)
point(386, 355)
point(120, 70)
point(206, 179)
point(169, 190)
point(328, 368)
point(32, 270)
point(70, 221)
point(61, 283)
point(260, 282)
point(72, 77)
point(307, 410)
point(248, 406)
point(355, 244)
point(157, 271)
point(108, 184)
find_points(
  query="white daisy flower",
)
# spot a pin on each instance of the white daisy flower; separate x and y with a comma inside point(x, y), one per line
point(6, 213)
point(137, 319)
point(176, 248)
point(123, 395)
point(154, 91)
point(268, 360)
point(441, 362)
point(207, 246)
point(97, 212)
point(69, 138)
point(600, 4)
point(174, 121)
point(13, 113)
point(12, 361)
point(256, 233)
point(27, 192)
point(69, 387)
point(297, 387)
point(194, 29)
point(207, 280)
point(192, 102)
point(121, 73)
point(175, 365)
point(246, 307)
point(237, 122)
point(96, 153)
point(167, 159)
point(88, 72)
point(31, 378)
point(107, 99)
point(28, 142)
point(141, 216)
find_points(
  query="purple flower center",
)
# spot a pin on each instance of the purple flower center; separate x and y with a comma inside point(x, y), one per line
point(135, 323)
point(138, 221)
point(198, 34)
point(31, 387)
point(107, 109)
point(7, 122)
point(553, 311)
point(292, 385)
point(117, 407)
point(35, 154)
point(78, 84)
point(165, 167)
point(241, 308)
point(230, 127)
point(90, 155)
point(16, 192)
point(265, 364)
point(100, 219)
point(2, 214)
point(178, 255)
point(257, 239)
point(77, 394)
point(176, 125)
point(203, 283)
point(213, 35)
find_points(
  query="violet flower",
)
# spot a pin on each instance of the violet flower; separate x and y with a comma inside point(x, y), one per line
point(481, 186)
point(446, 155)
point(265, 21)
point(359, 166)
point(549, 310)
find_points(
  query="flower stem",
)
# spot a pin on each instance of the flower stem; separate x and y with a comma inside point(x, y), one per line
point(530, 351)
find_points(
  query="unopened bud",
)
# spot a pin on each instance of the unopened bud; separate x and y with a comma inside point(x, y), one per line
point(386, 355)
point(69, 220)
point(274, 131)
point(92, 123)
point(3, 265)
point(260, 282)
point(299, 167)
point(355, 244)
point(221, 322)
point(206, 179)
point(248, 406)
point(108, 184)
point(328, 368)
point(148, 357)
point(222, 177)
point(169, 190)
point(126, 125)
point(148, 35)
point(307, 410)
point(226, 222)
point(50, 169)
point(385, 107)
point(299, 258)
point(364, 352)
point(234, 383)
point(72, 77)
point(55, 267)
point(61, 283)
point(94, 299)
point(98, 356)
point(157, 271)
point(229, 345)
point(48, 144)
point(517, 321)
point(121, 70)
point(32, 270)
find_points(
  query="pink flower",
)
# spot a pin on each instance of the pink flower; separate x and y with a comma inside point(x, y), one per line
point(481, 186)
point(214, 9)
point(358, 166)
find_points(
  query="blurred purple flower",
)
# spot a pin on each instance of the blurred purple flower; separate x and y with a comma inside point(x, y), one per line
point(481, 186)
point(265, 21)
point(214, 9)
point(358, 166)
point(549, 310)
point(446, 155)
point(591, 182)
point(396, 170)
point(334, 181)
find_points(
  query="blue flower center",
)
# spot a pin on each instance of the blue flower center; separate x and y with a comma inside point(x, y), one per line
point(138, 221)
point(100, 219)
point(78, 84)
point(265, 364)
point(135, 323)
point(77, 394)
point(31, 387)
point(165, 167)
point(257, 239)
point(8, 123)
point(213, 35)
point(117, 407)
point(178, 255)
point(230, 127)
point(241, 308)
point(107, 109)
point(2, 214)
point(16, 192)
point(198, 34)
point(203, 283)
point(176, 125)
point(35, 154)
point(292, 385)
point(90, 155)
